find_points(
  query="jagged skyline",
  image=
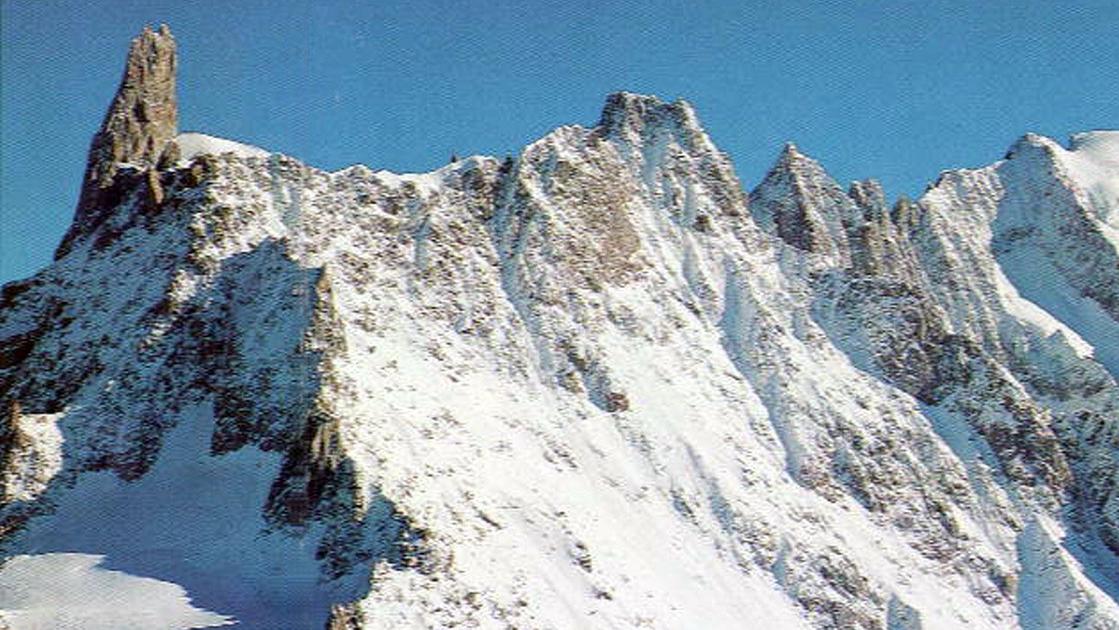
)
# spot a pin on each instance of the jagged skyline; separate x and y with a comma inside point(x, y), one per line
point(593, 386)
point(892, 94)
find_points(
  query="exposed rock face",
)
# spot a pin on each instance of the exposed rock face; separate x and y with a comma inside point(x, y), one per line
point(142, 119)
point(30, 456)
point(592, 385)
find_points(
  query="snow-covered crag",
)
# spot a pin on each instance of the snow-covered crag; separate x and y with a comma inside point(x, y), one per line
point(595, 385)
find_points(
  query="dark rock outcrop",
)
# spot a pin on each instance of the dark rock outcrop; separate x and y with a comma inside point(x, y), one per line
point(142, 120)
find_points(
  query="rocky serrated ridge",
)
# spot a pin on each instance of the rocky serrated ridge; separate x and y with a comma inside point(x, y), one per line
point(1043, 360)
point(594, 384)
point(896, 319)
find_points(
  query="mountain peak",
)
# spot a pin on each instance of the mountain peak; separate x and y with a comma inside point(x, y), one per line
point(627, 111)
point(144, 114)
point(142, 119)
point(801, 203)
point(482, 395)
point(868, 195)
point(1031, 143)
point(797, 164)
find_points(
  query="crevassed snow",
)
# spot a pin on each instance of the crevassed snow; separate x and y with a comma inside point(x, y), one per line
point(192, 145)
point(73, 591)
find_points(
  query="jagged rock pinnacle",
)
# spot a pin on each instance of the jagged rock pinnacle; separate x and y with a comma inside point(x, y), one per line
point(144, 114)
point(141, 120)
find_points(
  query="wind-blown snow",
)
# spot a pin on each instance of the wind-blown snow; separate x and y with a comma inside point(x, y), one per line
point(1065, 309)
point(1093, 162)
point(73, 591)
point(1047, 299)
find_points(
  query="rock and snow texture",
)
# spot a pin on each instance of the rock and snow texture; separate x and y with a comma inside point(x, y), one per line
point(594, 385)
point(31, 451)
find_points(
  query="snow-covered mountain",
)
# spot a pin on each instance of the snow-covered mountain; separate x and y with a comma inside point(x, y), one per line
point(596, 385)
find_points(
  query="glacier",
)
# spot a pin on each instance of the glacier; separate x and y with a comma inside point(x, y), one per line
point(596, 384)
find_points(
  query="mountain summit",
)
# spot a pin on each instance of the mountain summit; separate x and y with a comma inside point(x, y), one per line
point(138, 128)
point(595, 385)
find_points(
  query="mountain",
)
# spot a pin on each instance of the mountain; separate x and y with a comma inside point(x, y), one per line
point(593, 385)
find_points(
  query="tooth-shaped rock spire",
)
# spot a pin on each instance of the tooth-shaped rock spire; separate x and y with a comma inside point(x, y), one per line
point(144, 114)
point(142, 119)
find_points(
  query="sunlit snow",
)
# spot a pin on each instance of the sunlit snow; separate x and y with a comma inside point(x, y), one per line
point(192, 145)
point(74, 591)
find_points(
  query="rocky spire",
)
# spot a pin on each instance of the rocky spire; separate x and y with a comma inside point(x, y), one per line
point(144, 114)
point(142, 119)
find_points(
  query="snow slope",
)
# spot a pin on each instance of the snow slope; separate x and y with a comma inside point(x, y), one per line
point(1092, 161)
point(165, 525)
point(73, 591)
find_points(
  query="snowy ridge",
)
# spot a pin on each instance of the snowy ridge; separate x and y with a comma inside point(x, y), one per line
point(1093, 159)
point(596, 385)
point(192, 145)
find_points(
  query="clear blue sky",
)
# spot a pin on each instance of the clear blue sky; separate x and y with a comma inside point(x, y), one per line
point(893, 90)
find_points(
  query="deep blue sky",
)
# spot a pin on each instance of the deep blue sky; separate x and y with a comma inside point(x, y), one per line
point(896, 91)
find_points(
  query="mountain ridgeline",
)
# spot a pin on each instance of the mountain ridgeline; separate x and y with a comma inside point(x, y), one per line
point(593, 385)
